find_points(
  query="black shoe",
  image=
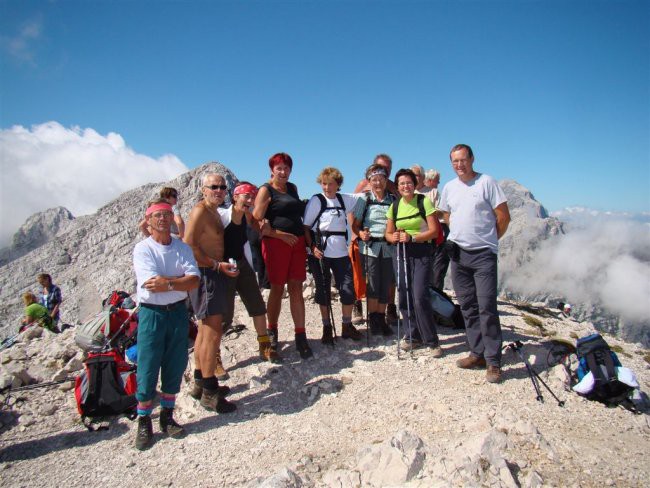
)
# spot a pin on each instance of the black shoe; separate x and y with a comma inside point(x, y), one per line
point(168, 425)
point(391, 313)
point(349, 332)
point(386, 329)
point(144, 437)
point(328, 338)
point(375, 323)
point(302, 345)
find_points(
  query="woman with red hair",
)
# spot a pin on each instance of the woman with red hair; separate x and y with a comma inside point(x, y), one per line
point(283, 248)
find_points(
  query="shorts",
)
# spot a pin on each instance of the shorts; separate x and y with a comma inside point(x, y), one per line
point(284, 262)
point(381, 277)
point(341, 268)
point(210, 297)
point(249, 291)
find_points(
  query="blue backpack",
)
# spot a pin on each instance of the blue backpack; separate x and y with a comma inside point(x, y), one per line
point(595, 356)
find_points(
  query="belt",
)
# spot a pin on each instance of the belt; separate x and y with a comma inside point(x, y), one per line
point(168, 307)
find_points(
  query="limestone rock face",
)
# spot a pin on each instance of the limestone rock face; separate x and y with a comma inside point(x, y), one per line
point(90, 255)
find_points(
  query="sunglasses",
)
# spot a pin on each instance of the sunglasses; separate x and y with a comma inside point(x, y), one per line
point(216, 187)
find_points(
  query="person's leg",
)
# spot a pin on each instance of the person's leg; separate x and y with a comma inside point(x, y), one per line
point(421, 275)
point(344, 282)
point(486, 291)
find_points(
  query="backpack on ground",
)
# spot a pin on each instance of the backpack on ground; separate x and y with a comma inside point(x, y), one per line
point(323, 207)
point(106, 326)
point(105, 388)
point(596, 358)
point(440, 238)
point(115, 299)
point(446, 312)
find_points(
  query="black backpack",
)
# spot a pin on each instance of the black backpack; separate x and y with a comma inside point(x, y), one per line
point(370, 202)
point(595, 356)
point(324, 233)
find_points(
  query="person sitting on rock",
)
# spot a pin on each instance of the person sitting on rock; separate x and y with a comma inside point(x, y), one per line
point(326, 216)
point(36, 314)
point(50, 297)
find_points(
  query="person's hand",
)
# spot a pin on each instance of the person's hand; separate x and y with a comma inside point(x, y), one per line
point(228, 269)
point(395, 236)
point(318, 254)
point(289, 239)
point(156, 284)
point(265, 228)
point(404, 236)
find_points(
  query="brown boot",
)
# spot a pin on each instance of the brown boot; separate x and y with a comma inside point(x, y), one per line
point(493, 374)
point(391, 313)
point(219, 371)
point(471, 362)
point(267, 353)
point(357, 313)
point(168, 425)
point(212, 400)
point(349, 332)
point(197, 390)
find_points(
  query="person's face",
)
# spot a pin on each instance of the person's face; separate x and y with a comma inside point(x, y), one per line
point(384, 164)
point(160, 221)
point(244, 201)
point(462, 164)
point(419, 176)
point(281, 172)
point(329, 186)
point(378, 183)
point(405, 186)
point(214, 190)
point(43, 282)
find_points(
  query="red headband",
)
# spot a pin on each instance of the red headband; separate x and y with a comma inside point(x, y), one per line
point(245, 188)
point(166, 207)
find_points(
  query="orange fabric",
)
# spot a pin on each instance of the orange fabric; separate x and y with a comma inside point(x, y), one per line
point(357, 270)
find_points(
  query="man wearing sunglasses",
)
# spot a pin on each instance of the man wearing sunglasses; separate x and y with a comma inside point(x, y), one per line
point(204, 233)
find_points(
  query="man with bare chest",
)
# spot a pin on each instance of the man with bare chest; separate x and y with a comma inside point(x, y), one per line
point(204, 234)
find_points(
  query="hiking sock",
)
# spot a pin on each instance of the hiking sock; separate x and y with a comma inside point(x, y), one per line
point(273, 327)
point(299, 330)
point(211, 383)
point(327, 323)
point(347, 320)
point(263, 338)
point(145, 408)
point(197, 374)
point(167, 400)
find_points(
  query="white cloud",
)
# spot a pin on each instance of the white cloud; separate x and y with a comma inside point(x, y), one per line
point(604, 263)
point(50, 165)
point(22, 45)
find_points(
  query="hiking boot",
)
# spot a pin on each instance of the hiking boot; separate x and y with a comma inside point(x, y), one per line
point(357, 312)
point(386, 329)
point(328, 337)
point(349, 332)
point(302, 345)
point(411, 345)
point(436, 351)
point(144, 437)
point(168, 425)
point(375, 324)
point(391, 313)
point(197, 390)
point(470, 362)
point(211, 400)
point(219, 370)
point(493, 374)
point(268, 353)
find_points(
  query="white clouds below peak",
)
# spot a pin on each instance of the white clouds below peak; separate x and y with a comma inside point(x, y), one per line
point(50, 165)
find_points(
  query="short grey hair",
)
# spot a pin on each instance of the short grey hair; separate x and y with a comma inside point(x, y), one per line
point(208, 175)
point(418, 167)
point(431, 174)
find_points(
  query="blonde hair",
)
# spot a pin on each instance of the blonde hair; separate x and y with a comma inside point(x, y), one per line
point(29, 298)
point(332, 173)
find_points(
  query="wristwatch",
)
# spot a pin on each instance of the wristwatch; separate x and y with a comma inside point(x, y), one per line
point(170, 285)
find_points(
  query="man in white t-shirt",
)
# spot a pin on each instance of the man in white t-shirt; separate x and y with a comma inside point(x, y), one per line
point(476, 210)
point(166, 270)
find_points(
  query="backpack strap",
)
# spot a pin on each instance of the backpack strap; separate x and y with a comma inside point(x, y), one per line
point(323, 207)
point(420, 202)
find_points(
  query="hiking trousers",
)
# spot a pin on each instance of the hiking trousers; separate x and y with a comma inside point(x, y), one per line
point(162, 347)
point(474, 276)
point(422, 325)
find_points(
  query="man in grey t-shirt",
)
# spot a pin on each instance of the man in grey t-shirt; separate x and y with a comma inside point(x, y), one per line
point(475, 208)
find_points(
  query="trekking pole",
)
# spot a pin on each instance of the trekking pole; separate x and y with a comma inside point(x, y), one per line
point(110, 340)
point(326, 285)
point(365, 267)
point(517, 346)
point(399, 319)
point(408, 301)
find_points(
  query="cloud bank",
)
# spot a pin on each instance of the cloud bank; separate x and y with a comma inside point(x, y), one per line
point(50, 165)
point(604, 263)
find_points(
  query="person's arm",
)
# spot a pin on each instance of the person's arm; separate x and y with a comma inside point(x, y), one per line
point(392, 235)
point(262, 201)
point(362, 186)
point(445, 217)
point(159, 284)
point(502, 214)
point(144, 228)
point(180, 223)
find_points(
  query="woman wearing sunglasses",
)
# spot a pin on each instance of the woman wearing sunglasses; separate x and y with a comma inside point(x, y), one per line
point(283, 248)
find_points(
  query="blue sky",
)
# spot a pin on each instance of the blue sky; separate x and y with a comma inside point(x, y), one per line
point(555, 95)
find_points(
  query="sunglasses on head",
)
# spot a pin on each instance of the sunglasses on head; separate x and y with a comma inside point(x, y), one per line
point(217, 187)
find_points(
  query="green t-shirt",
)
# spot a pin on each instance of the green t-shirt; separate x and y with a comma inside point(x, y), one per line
point(38, 312)
point(408, 215)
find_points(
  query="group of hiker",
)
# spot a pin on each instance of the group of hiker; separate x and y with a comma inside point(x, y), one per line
point(400, 227)
point(42, 309)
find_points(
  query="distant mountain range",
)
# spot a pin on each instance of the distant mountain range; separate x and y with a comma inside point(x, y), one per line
point(584, 216)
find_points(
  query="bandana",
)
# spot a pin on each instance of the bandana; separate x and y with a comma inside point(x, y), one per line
point(378, 171)
point(164, 207)
point(245, 188)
